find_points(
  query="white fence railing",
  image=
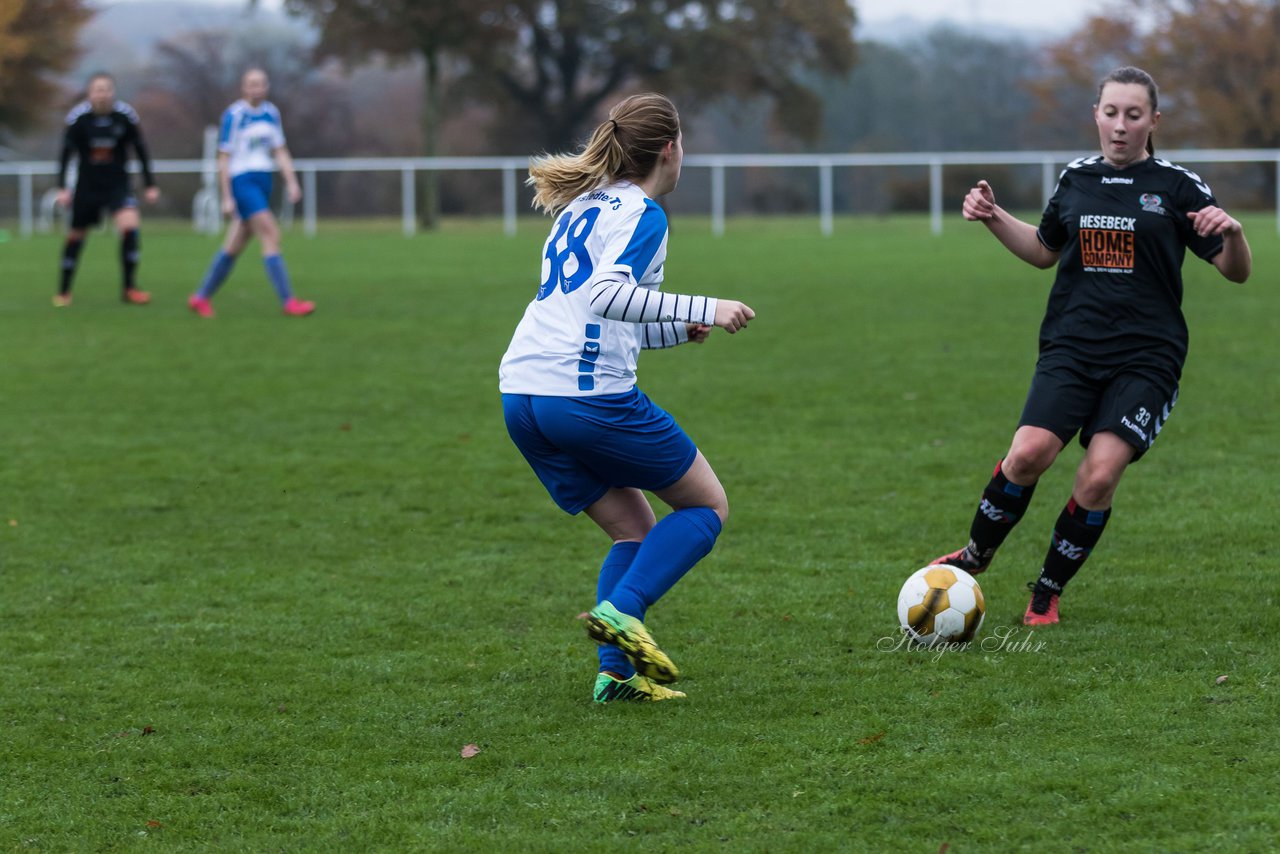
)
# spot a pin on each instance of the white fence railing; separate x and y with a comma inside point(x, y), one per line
point(513, 168)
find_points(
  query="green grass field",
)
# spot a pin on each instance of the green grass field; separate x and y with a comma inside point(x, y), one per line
point(262, 579)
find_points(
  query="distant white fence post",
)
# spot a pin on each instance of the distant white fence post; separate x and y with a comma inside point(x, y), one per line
point(26, 206)
point(309, 201)
point(509, 177)
point(408, 202)
point(935, 196)
point(825, 197)
point(717, 198)
point(1048, 180)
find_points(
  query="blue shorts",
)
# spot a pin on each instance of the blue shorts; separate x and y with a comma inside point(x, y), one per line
point(580, 447)
point(252, 192)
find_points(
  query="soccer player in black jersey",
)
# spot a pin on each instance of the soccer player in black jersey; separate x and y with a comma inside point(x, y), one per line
point(1113, 340)
point(100, 130)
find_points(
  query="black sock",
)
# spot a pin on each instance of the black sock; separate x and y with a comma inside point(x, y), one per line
point(70, 259)
point(1003, 505)
point(1075, 534)
point(130, 250)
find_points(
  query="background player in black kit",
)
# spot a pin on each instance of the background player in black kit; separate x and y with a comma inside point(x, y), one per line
point(100, 130)
point(1113, 339)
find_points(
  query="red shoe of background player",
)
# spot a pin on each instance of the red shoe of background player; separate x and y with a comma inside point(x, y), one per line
point(133, 296)
point(200, 305)
point(295, 307)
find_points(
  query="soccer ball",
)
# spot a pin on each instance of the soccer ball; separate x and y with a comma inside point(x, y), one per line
point(941, 604)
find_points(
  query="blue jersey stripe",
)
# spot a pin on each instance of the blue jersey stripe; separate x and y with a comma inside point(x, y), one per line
point(645, 240)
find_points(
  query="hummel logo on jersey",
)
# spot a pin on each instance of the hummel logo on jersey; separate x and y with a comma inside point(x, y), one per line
point(1117, 180)
point(1069, 551)
point(994, 513)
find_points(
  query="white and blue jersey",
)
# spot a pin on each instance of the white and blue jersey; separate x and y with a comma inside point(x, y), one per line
point(248, 135)
point(599, 302)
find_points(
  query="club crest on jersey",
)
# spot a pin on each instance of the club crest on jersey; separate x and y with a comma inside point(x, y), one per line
point(1151, 203)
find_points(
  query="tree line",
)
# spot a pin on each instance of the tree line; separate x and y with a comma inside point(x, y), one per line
point(517, 76)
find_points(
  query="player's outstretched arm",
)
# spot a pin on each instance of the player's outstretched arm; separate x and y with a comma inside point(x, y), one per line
point(1017, 236)
point(1235, 261)
point(615, 296)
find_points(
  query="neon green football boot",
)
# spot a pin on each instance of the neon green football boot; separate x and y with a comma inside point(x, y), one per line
point(636, 689)
point(606, 624)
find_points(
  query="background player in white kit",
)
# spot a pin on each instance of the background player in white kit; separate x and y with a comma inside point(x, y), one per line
point(568, 381)
point(250, 147)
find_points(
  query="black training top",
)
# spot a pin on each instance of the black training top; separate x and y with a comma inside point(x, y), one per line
point(101, 143)
point(1123, 233)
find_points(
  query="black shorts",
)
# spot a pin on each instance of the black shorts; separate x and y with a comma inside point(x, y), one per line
point(1068, 396)
point(89, 203)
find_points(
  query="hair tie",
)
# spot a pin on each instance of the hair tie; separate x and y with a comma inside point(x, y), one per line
point(615, 125)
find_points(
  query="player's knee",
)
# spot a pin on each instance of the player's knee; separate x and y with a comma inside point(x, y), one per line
point(1096, 486)
point(721, 508)
point(1028, 460)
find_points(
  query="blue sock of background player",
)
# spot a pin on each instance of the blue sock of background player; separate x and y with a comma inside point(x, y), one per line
point(279, 276)
point(218, 272)
point(615, 565)
point(671, 549)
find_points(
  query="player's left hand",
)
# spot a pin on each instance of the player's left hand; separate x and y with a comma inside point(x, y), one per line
point(294, 192)
point(698, 332)
point(1210, 220)
point(151, 195)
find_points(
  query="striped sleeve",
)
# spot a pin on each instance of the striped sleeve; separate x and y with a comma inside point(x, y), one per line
point(615, 299)
point(659, 336)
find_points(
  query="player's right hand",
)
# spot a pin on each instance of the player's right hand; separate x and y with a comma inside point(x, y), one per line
point(732, 315)
point(980, 203)
point(63, 199)
point(228, 206)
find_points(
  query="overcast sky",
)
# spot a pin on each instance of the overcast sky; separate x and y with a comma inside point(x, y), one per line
point(1061, 14)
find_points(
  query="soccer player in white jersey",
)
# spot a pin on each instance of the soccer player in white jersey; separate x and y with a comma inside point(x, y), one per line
point(568, 381)
point(250, 147)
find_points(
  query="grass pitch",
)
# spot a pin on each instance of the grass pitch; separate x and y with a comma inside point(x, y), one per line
point(262, 579)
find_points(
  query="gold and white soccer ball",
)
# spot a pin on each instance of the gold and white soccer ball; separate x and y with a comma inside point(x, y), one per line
point(941, 604)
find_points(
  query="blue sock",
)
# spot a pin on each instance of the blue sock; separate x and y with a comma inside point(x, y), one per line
point(218, 272)
point(615, 565)
point(675, 544)
point(278, 275)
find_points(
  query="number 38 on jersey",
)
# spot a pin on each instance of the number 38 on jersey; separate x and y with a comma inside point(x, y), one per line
point(566, 264)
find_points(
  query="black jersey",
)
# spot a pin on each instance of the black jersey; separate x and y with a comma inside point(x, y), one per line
point(102, 143)
point(1123, 234)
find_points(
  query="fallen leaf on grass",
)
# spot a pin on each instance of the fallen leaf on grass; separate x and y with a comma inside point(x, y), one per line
point(469, 750)
point(148, 730)
point(1220, 679)
point(942, 849)
point(152, 823)
point(872, 739)
point(13, 523)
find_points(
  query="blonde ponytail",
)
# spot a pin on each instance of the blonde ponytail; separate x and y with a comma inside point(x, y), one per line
point(623, 147)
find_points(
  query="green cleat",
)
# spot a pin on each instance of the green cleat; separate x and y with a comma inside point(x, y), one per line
point(636, 689)
point(607, 625)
